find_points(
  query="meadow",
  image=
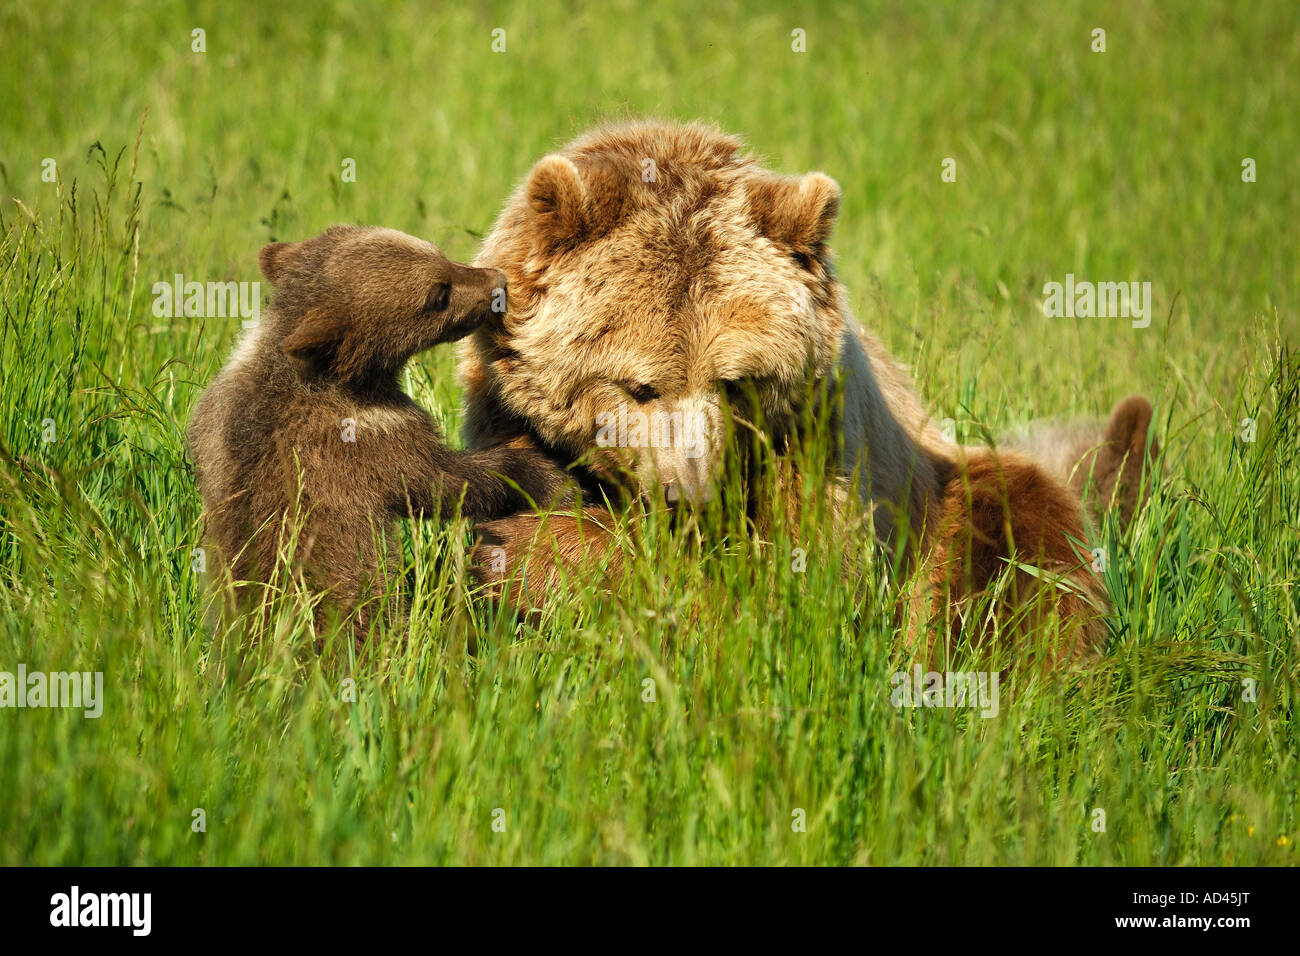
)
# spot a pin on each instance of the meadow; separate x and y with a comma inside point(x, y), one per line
point(766, 734)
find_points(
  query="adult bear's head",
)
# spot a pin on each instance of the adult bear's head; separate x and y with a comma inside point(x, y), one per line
point(657, 278)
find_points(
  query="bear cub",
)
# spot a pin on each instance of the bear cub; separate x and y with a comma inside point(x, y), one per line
point(307, 432)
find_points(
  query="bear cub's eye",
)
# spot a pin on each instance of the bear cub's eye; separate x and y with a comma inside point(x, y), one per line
point(439, 299)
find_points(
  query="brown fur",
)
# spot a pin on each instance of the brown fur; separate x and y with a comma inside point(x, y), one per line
point(268, 436)
point(999, 517)
point(1102, 462)
point(707, 287)
point(523, 558)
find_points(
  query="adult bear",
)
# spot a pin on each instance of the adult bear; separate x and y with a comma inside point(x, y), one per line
point(655, 268)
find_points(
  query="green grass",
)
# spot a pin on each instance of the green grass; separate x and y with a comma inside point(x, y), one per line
point(772, 686)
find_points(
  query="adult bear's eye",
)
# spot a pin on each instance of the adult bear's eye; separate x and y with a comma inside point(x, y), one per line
point(642, 393)
point(803, 261)
point(439, 299)
point(736, 388)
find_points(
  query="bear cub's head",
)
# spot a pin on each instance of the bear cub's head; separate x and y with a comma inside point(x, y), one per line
point(356, 302)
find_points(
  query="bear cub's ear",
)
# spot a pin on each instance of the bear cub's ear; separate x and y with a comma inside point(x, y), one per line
point(797, 211)
point(316, 338)
point(1129, 423)
point(1125, 453)
point(275, 258)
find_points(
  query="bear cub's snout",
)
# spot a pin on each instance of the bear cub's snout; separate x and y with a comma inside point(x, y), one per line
point(484, 294)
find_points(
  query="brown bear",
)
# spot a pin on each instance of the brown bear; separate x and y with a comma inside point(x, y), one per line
point(658, 273)
point(307, 434)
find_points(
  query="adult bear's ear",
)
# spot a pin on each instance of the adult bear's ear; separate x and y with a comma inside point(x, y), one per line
point(570, 204)
point(797, 211)
point(275, 258)
point(557, 199)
